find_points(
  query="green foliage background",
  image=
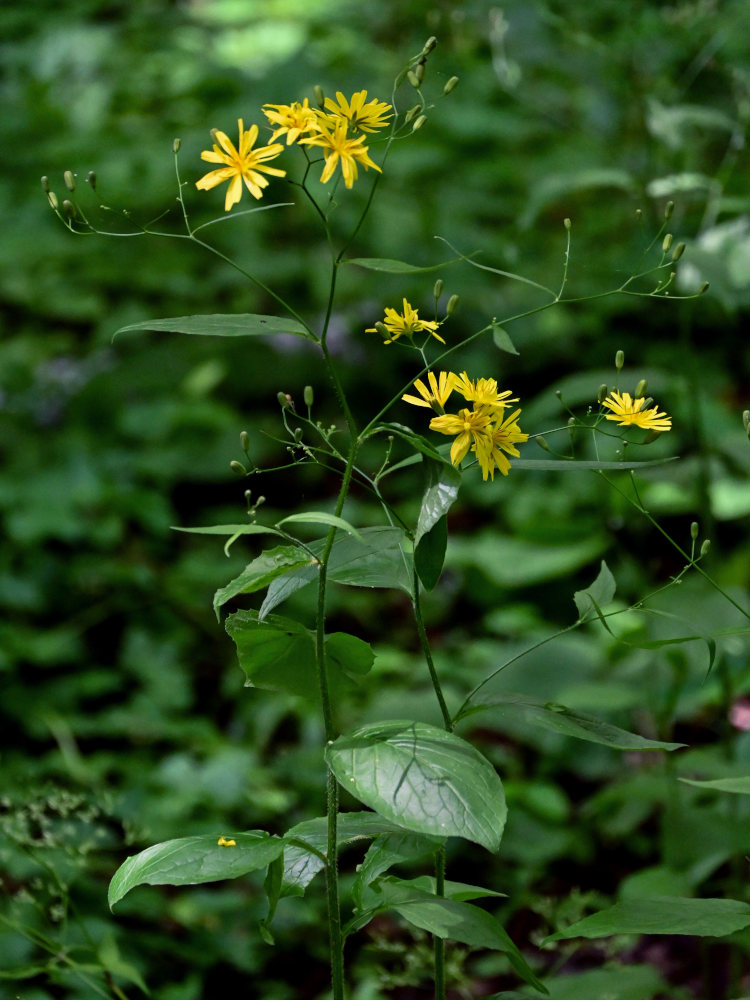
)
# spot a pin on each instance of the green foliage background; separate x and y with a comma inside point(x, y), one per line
point(123, 716)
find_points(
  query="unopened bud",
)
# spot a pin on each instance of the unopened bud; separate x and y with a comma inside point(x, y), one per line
point(567, 223)
point(640, 389)
point(450, 85)
point(437, 289)
point(320, 97)
point(52, 198)
point(69, 209)
point(298, 434)
point(542, 442)
point(383, 330)
point(244, 441)
point(308, 395)
point(176, 146)
point(703, 289)
point(260, 501)
point(248, 495)
point(419, 71)
point(666, 243)
point(238, 467)
point(419, 123)
point(45, 184)
point(619, 360)
point(571, 422)
point(91, 179)
point(452, 304)
point(429, 45)
point(70, 180)
point(746, 420)
point(668, 209)
point(639, 213)
point(678, 251)
point(647, 402)
point(411, 112)
point(705, 547)
point(413, 79)
point(603, 392)
point(694, 530)
point(284, 399)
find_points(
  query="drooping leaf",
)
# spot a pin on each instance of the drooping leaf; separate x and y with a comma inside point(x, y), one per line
point(600, 593)
point(321, 517)
point(193, 860)
point(422, 778)
point(560, 719)
point(662, 915)
point(739, 786)
point(262, 571)
point(220, 325)
point(374, 559)
point(234, 531)
point(502, 340)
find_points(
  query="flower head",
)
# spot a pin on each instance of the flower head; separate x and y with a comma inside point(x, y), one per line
point(436, 396)
point(504, 436)
point(362, 117)
point(483, 392)
point(471, 428)
point(243, 164)
point(406, 324)
point(629, 412)
point(339, 147)
point(291, 120)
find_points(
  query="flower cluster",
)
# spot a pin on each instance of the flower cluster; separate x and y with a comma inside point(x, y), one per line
point(405, 324)
point(484, 429)
point(340, 128)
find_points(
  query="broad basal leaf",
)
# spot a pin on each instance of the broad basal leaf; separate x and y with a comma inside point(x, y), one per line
point(422, 778)
point(192, 860)
point(220, 325)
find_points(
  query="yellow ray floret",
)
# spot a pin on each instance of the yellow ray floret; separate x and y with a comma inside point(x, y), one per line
point(472, 428)
point(339, 148)
point(436, 396)
point(504, 436)
point(240, 164)
point(629, 412)
point(406, 324)
point(291, 120)
point(483, 392)
point(363, 117)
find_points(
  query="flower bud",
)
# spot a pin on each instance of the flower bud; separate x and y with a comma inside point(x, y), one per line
point(746, 420)
point(419, 123)
point(52, 198)
point(647, 402)
point(542, 442)
point(567, 223)
point(411, 112)
point(260, 501)
point(413, 79)
point(320, 98)
point(176, 146)
point(429, 45)
point(450, 85)
point(297, 434)
point(45, 184)
point(678, 251)
point(452, 303)
point(571, 422)
point(666, 243)
point(419, 71)
point(308, 395)
point(703, 289)
point(603, 392)
point(91, 179)
point(619, 360)
point(694, 530)
point(668, 209)
point(248, 496)
point(640, 389)
point(383, 330)
point(284, 399)
point(238, 467)
point(69, 209)
point(244, 441)
point(639, 214)
point(705, 547)
point(437, 289)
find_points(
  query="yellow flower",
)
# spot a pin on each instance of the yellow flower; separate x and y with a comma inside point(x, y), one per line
point(292, 119)
point(223, 842)
point(339, 148)
point(437, 395)
point(406, 324)
point(243, 164)
point(629, 412)
point(504, 436)
point(483, 392)
point(471, 427)
point(362, 117)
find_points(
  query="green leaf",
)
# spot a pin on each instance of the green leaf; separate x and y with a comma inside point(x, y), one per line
point(598, 595)
point(429, 555)
point(394, 266)
point(219, 325)
point(278, 654)
point(235, 531)
point(443, 482)
point(387, 850)
point(262, 571)
point(560, 719)
point(740, 786)
point(455, 920)
point(109, 955)
point(193, 860)
point(417, 442)
point(374, 559)
point(423, 779)
point(502, 339)
point(321, 517)
point(576, 465)
point(662, 915)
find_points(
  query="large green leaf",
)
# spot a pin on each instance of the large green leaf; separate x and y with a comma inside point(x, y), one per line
point(441, 491)
point(279, 654)
point(387, 850)
point(374, 558)
point(220, 325)
point(192, 860)
point(259, 573)
point(560, 719)
point(422, 778)
point(662, 915)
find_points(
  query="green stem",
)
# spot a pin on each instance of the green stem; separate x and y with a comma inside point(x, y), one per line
point(439, 943)
point(425, 643)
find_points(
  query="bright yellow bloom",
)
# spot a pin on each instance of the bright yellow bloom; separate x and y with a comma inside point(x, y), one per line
point(338, 147)
point(504, 437)
point(437, 395)
point(406, 324)
point(629, 412)
point(241, 165)
point(483, 392)
point(223, 842)
point(291, 120)
point(362, 117)
point(471, 427)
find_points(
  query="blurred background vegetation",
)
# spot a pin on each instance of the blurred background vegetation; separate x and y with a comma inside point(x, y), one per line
point(123, 715)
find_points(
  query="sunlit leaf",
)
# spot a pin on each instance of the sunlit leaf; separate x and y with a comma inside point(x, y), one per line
point(219, 325)
point(261, 572)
